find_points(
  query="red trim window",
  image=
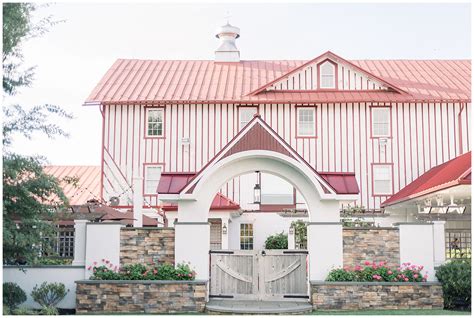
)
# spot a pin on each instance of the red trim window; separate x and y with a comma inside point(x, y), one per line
point(305, 122)
point(155, 122)
point(380, 122)
point(246, 114)
point(151, 178)
point(382, 175)
point(327, 71)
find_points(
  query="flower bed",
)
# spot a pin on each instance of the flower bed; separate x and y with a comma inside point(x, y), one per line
point(109, 271)
point(376, 286)
point(378, 272)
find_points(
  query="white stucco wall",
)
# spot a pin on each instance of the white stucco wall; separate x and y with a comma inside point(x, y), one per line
point(32, 276)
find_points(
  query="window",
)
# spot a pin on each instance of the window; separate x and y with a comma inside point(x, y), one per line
point(245, 115)
point(380, 122)
point(327, 75)
point(154, 119)
point(382, 179)
point(246, 236)
point(152, 178)
point(306, 122)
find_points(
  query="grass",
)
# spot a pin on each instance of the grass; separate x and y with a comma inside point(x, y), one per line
point(431, 312)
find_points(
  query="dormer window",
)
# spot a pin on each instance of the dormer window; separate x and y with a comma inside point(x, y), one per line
point(327, 75)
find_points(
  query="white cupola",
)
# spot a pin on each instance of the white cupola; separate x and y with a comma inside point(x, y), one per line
point(227, 50)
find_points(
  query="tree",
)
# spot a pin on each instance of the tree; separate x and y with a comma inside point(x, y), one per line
point(30, 197)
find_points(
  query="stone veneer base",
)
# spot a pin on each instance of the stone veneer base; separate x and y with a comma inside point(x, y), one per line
point(140, 296)
point(372, 295)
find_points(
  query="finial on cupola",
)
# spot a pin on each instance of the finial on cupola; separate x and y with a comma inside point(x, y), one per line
point(227, 50)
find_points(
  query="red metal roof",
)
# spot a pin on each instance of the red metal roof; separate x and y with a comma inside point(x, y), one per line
point(220, 202)
point(152, 81)
point(88, 185)
point(451, 173)
point(342, 182)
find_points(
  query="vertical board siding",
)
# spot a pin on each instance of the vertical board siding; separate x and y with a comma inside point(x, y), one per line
point(423, 135)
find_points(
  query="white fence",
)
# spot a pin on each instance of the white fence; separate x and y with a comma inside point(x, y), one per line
point(28, 277)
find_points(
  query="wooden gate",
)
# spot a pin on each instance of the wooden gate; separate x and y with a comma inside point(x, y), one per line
point(262, 275)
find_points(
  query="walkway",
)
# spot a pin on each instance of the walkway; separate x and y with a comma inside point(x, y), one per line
point(258, 307)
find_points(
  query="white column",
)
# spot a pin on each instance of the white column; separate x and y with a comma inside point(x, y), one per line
point(324, 248)
point(225, 236)
point(138, 201)
point(79, 242)
point(102, 242)
point(439, 243)
point(192, 244)
point(416, 246)
point(291, 238)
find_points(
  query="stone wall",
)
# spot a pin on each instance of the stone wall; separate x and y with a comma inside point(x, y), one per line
point(371, 244)
point(140, 296)
point(146, 245)
point(359, 296)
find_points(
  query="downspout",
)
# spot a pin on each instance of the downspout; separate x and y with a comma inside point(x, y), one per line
point(460, 127)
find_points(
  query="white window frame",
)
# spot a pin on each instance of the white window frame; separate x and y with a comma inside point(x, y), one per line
point(298, 110)
point(147, 181)
point(148, 123)
point(386, 177)
point(246, 236)
point(327, 75)
point(242, 110)
point(376, 122)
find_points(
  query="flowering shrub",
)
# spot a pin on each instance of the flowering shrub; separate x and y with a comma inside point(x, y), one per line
point(378, 272)
point(109, 271)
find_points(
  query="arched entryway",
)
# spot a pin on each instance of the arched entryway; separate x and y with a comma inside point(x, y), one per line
point(258, 147)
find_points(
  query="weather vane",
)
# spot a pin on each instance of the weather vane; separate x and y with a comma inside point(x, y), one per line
point(227, 16)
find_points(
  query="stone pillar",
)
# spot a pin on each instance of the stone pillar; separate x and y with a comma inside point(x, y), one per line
point(291, 238)
point(192, 244)
point(102, 242)
point(138, 201)
point(225, 236)
point(324, 248)
point(416, 246)
point(79, 242)
point(439, 243)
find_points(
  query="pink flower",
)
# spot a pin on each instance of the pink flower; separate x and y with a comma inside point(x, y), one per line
point(89, 268)
point(155, 271)
point(103, 260)
point(420, 267)
point(406, 279)
point(115, 268)
point(346, 268)
point(110, 265)
point(390, 272)
point(425, 277)
point(95, 263)
point(374, 266)
point(357, 268)
point(190, 275)
point(382, 263)
point(107, 261)
point(367, 263)
point(415, 276)
point(408, 264)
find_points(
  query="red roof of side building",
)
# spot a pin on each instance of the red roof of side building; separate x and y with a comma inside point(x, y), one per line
point(451, 173)
point(148, 81)
point(220, 203)
point(88, 185)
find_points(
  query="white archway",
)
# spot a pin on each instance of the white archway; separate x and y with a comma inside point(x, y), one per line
point(324, 230)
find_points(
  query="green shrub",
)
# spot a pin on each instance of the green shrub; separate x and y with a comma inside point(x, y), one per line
point(455, 277)
point(49, 294)
point(52, 261)
point(49, 311)
point(13, 295)
point(107, 271)
point(377, 272)
point(277, 242)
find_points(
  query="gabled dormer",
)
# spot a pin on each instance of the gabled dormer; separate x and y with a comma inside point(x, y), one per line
point(327, 72)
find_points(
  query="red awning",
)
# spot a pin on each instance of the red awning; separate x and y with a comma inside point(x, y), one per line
point(342, 182)
point(454, 172)
point(220, 202)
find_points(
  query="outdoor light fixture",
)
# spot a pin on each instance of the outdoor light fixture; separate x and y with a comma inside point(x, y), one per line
point(257, 191)
point(292, 230)
point(224, 229)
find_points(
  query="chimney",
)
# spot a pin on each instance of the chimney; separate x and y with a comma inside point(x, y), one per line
point(227, 51)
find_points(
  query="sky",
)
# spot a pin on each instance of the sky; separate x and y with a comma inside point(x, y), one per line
point(75, 54)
